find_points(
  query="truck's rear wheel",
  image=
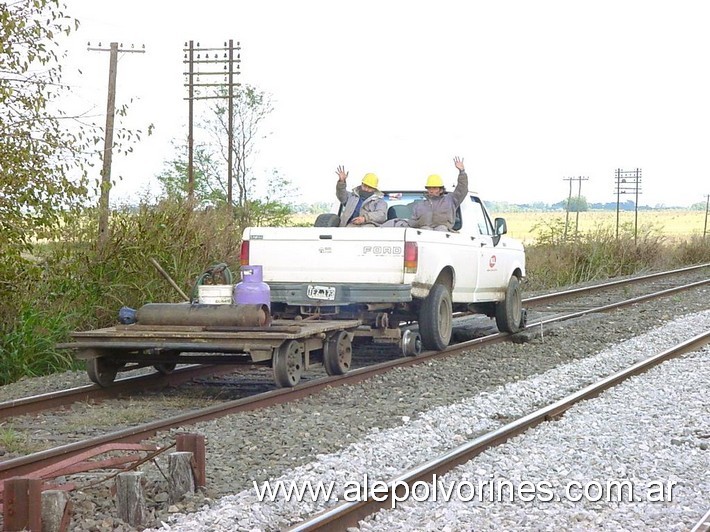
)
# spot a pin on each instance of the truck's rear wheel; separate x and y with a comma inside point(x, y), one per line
point(435, 318)
point(337, 353)
point(288, 364)
point(509, 312)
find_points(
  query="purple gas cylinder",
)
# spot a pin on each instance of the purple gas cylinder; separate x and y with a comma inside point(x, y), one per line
point(252, 290)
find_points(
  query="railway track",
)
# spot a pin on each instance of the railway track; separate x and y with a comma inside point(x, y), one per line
point(350, 514)
point(26, 464)
point(542, 308)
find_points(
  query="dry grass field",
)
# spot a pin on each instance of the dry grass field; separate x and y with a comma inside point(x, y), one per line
point(670, 224)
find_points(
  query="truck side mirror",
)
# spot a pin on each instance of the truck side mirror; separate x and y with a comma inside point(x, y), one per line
point(500, 226)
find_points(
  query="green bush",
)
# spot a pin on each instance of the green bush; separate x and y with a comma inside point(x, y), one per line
point(599, 254)
point(79, 285)
point(73, 284)
point(27, 349)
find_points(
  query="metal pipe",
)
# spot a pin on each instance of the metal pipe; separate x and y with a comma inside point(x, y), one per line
point(204, 315)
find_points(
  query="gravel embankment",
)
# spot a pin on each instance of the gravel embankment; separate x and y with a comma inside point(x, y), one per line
point(636, 458)
point(604, 444)
point(272, 443)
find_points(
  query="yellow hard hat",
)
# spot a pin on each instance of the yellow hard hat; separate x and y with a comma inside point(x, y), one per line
point(370, 180)
point(434, 180)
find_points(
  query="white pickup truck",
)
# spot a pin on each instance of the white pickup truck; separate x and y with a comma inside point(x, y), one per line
point(384, 276)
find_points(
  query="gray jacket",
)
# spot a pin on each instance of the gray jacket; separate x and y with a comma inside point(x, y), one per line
point(374, 208)
point(439, 213)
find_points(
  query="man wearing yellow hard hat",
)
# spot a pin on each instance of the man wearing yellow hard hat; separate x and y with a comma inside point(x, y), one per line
point(437, 210)
point(363, 206)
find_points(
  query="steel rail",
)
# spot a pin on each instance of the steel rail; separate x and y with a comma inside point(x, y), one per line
point(38, 403)
point(548, 298)
point(703, 525)
point(22, 465)
point(625, 303)
point(349, 514)
point(152, 381)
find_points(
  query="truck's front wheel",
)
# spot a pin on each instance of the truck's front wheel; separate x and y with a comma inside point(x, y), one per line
point(509, 312)
point(435, 319)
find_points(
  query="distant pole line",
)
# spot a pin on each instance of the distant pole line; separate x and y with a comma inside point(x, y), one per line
point(579, 180)
point(193, 83)
point(707, 208)
point(579, 204)
point(114, 49)
point(628, 181)
point(190, 138)
point(569, 199)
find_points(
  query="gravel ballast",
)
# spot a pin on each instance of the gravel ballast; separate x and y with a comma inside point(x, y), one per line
point(611, 447)
point(271, 443)
point(636, 458)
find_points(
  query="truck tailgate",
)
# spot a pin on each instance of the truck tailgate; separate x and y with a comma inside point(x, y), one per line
point(314, 254)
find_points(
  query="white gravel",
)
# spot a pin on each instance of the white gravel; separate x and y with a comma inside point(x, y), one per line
point(650, 435)
point(653, 428)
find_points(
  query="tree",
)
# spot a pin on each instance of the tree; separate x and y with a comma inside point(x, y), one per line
point(250, 107)
point(37, 155)
point(577, 204)
point(174, 176)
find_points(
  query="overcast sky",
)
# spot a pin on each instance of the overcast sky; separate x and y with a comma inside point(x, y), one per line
point(528, 92)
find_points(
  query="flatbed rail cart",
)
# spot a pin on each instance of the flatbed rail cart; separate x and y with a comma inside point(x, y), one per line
point(289, 346)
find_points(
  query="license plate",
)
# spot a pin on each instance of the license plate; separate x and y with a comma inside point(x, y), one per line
point(321, 292)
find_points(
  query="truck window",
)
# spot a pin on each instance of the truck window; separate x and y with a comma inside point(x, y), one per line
point(480, 219)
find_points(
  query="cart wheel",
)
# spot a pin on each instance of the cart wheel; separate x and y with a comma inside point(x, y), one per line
point(165, 368)
point(288, 364)
point(101, 371)
point(337, 353)
point(411, 343)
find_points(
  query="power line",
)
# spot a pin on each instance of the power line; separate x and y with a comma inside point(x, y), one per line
point(628, 181)
point(579, 180)
point(194, 55)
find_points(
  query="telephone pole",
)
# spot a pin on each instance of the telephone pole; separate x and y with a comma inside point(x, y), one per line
point(707, 208)
point(628, 181)
point(194, 55)
point(579, 179)
point(108, 135)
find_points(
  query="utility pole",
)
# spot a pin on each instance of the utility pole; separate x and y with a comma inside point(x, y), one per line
point(628, 181)
point(707, 207)
point(230, 63)
point(108, 135)
point(579, 179)
point(569, 199)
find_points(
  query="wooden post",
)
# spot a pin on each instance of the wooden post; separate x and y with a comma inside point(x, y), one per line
point(22, 504)
point(108, 136)
point(130, 499)
point(190, 138)
point(181, 480)
point(108, 147)
point(194, 443)
point(569, 200)
point(56, 511)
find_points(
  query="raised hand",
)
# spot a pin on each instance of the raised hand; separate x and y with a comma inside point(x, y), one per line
point(458, 162)
point(342, 174)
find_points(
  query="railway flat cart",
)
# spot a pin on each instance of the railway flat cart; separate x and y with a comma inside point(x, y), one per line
point(165, 335)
